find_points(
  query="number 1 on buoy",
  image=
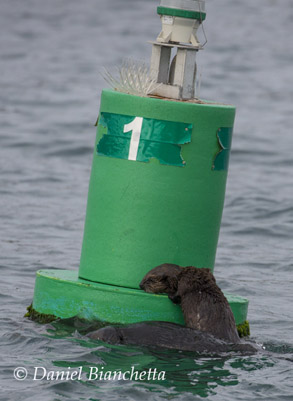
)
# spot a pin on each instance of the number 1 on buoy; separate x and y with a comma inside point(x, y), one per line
point(134, 126)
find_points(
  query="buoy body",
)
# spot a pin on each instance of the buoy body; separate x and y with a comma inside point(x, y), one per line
point(156, 196)
point(161, 210)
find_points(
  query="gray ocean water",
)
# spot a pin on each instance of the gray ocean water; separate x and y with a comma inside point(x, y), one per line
point(51, 55)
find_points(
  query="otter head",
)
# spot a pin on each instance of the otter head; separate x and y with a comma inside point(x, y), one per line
point(161, 279)
point(191, 280)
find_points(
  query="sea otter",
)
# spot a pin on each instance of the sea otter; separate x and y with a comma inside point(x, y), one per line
point(211, 326)
point(203, 304)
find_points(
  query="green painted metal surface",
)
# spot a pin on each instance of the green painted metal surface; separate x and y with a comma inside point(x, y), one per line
point(176, 12)
point(63, 294)
point(142, 212)
point(140, 215)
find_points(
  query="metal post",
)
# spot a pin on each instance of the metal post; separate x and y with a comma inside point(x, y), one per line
point(185, 71)
point(160, 61)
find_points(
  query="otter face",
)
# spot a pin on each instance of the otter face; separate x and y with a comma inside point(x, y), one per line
point(161, 279)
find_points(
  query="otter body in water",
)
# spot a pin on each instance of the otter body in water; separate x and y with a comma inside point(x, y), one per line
point(167, 335)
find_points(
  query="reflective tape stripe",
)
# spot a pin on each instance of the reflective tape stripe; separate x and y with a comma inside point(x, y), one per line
point(140, 139)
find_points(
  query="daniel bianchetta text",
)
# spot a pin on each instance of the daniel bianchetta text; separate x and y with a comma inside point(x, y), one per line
point(39, 373)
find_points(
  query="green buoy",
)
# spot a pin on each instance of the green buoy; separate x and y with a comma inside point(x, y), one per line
point(156, 195)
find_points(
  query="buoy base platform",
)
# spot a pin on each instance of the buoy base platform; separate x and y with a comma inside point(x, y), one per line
point(63, 294)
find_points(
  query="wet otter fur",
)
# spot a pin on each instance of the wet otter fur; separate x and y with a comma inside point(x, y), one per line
point(210, 322)
point(167, 335)
point(203, 304)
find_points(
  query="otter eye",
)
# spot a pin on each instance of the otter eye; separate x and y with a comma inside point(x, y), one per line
point(145, 283)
